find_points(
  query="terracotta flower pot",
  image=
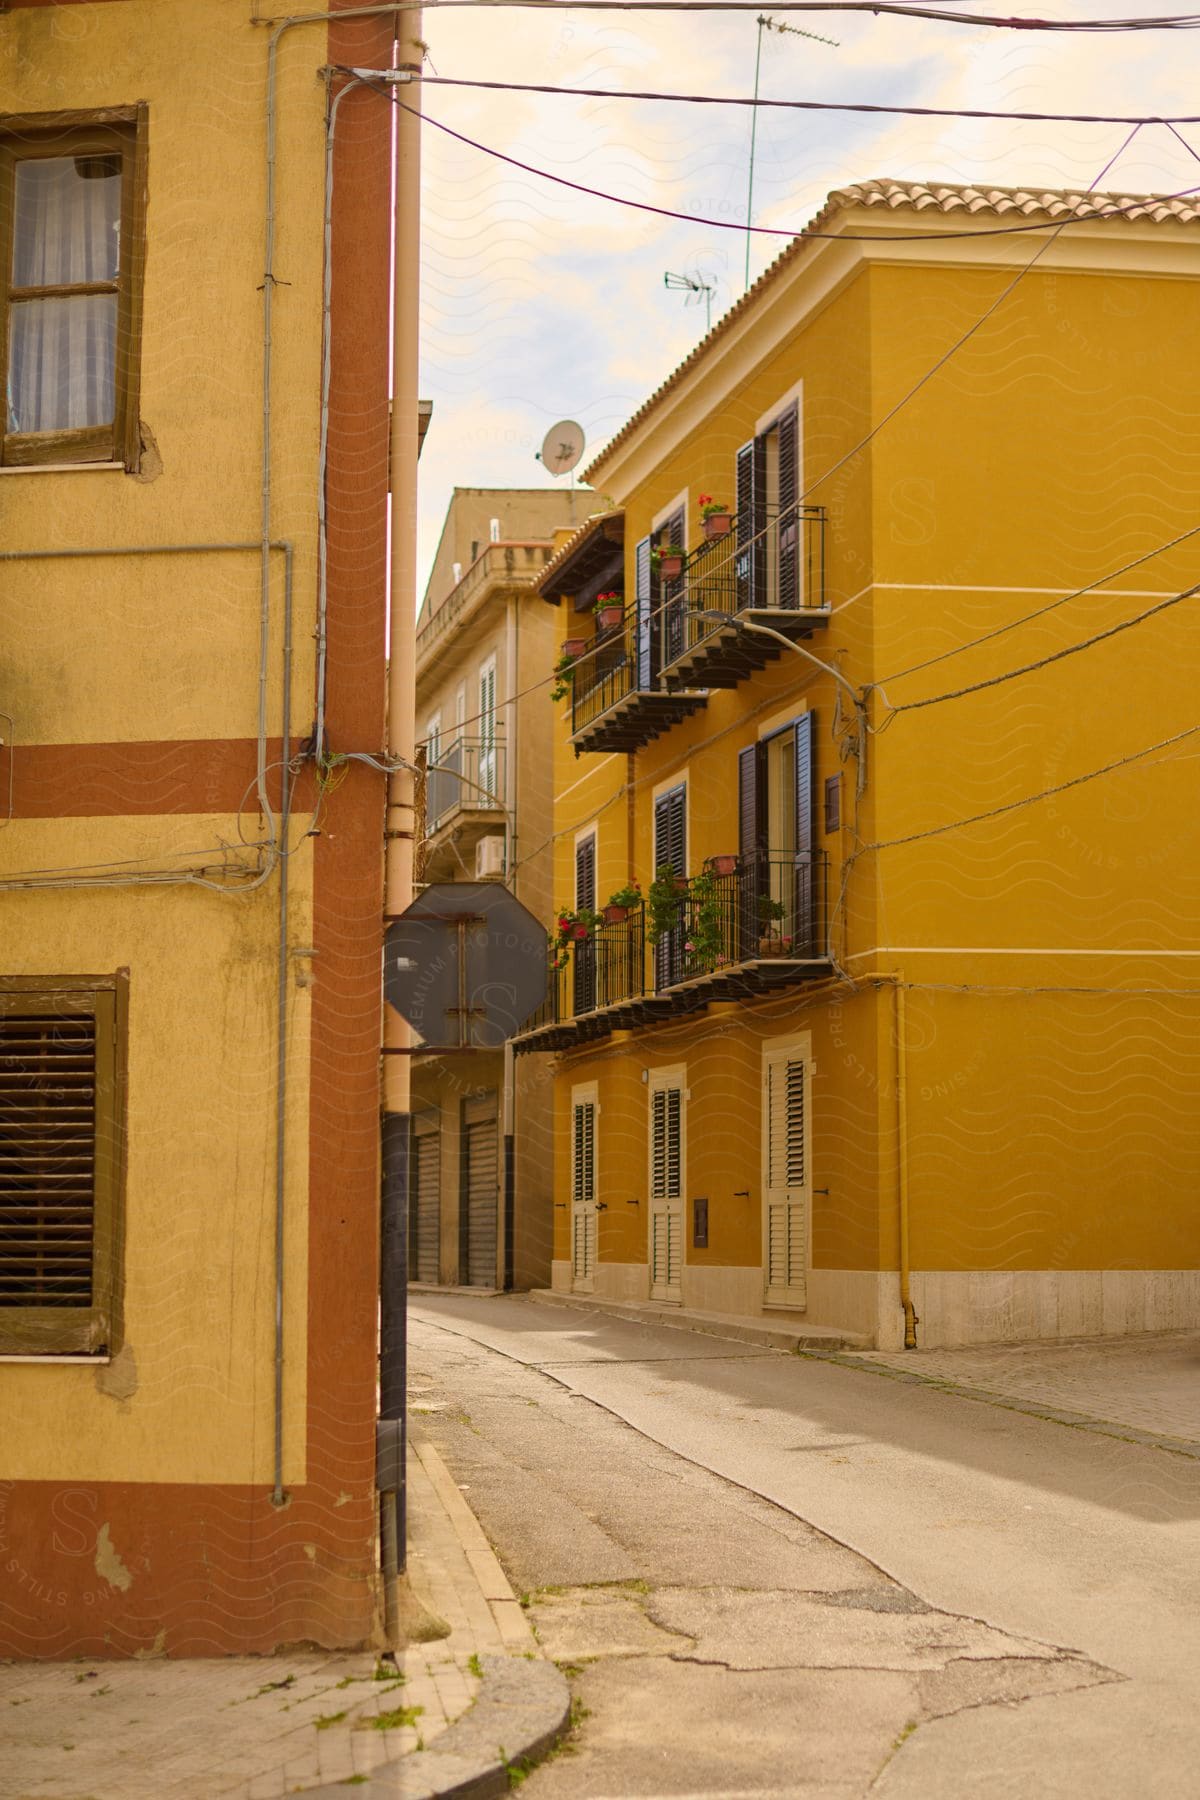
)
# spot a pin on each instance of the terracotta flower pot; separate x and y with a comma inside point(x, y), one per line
point(769, 947)
point(718, 525)
point(609, 618)
point(669, 567)
point(615, 915)
point(574, 647)
point(723, 865)
point(579, 932)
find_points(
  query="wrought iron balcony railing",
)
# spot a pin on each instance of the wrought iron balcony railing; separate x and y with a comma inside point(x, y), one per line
point(466, 775)
point(777, 571)
point(761, 926)
point(617, 701)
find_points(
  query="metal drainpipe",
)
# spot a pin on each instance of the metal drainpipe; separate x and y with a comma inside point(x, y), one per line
point(512, 640)
point(400, 820)
point(897, 984)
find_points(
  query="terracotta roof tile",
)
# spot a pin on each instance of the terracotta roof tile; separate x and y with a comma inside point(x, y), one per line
point(949, 200)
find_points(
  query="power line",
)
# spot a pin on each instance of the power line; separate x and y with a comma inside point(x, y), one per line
point(845, 106)
point(1042, 662)
point(1038, 612)
point(876, 8)
point(996, 812)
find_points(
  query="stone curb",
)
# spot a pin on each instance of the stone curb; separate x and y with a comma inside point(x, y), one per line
point(771, 1337)
point(522, 1709)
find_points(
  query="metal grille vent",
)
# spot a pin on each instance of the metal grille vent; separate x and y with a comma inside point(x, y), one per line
point(47, 1159)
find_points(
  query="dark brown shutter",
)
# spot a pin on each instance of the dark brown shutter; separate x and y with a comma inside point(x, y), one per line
point(585, 875)
point(47, 1159)
point(749, 498)
point(789, 527)
point(806, 832)
point(670, 850)
point(753, 876)
point(644, 611)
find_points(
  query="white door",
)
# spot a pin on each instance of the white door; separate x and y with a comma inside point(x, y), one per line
point(787, 1179)
point(666, 1187)
point(583, 1196)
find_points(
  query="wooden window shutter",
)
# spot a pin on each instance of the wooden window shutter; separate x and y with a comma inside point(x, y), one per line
point(585, 875)
point(647, 633)
point(583, 1184)
point(806, 833)
point(751, 843)
point(666, 1166)
point(751, 523)
point(789, 494)
point(670, 831)
point(60, 1166)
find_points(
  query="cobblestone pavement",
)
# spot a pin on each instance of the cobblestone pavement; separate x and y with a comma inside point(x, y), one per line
point(1149, 1384)
point(253, 1728)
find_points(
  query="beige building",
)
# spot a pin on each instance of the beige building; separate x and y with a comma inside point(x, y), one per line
point(480, 1198)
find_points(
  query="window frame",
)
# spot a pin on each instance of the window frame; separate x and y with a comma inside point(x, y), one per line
point(94, 1330)
point(99, 132)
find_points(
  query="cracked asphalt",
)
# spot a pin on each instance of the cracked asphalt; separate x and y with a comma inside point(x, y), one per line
point(772, 1576)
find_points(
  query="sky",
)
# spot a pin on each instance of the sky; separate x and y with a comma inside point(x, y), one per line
point(539, 303)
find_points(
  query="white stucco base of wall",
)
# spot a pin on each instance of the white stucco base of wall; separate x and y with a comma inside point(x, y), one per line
point(722, 1289)
point(622, 1281)
point(1004, 1308)
point(560, 1277)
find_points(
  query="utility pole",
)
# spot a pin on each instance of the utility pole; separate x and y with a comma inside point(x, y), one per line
point(401, 814)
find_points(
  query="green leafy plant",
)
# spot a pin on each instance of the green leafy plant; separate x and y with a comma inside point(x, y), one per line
point(563, 672)
point(769, 910)
point(709, 506)
point(570, 926)
point(705, 940)
point(629, 896)
point(664, 902)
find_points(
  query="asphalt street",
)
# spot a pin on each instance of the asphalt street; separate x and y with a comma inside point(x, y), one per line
point(771, 1575)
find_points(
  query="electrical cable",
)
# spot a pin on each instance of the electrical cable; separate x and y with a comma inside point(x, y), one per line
point(995, 812)
point(842, 106)
point(876, 8)
point(1042, 662)
point(787, 231)
point(1039, 612)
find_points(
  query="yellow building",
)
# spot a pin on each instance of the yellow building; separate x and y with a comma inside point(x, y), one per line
point(189, 996)
point(481, 1157)
point(913, 1056)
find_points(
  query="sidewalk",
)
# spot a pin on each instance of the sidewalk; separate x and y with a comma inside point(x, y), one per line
point(440, 1717)
point(1143, 1389)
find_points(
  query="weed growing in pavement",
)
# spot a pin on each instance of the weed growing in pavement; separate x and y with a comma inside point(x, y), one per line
point(354, 1781)
point(475, 1666)
point(396, 1720)
point(385, 1671)
point(328, 1719)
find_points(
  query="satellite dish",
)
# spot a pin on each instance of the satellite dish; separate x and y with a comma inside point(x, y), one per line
point(562, 447)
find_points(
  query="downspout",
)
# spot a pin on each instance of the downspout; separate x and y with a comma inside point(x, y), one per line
point(899, 992)
point(512, 627)
point(400, 824)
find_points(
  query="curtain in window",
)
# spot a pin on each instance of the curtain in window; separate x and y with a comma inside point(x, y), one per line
point(62, 356)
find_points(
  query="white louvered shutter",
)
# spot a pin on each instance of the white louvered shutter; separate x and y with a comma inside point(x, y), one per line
point(583, 1196)
point(666, 1193)
point(787, 1180)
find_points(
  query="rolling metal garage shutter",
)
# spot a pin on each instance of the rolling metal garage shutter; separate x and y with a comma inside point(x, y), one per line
point(480, 1191)
point(426, 1212)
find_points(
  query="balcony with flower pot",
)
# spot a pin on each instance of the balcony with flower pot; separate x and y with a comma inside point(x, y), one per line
point(751, 577)
point(597, 977)
point(617, 699)
point(743, 926)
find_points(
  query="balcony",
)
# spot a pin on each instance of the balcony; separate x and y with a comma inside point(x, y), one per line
point(464, 789)
point(774, 578)
point(616, 700)
point(759, 928)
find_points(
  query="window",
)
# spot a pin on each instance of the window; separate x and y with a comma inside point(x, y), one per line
point(61, 1143)
point(777, 838)
point(670, 852)
point(769, 571)
point(72, 217)
point(585, 901)
point(487, 726)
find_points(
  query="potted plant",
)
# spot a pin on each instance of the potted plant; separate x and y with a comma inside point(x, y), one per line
point(722, 865)
point(716, 515)
point(664, 902)
point(563, 671)
point(610, 612)
point(571, 926)
point(668, 561)
point(573, 648)
point(770, 943)
point(705, 941)
point(620, 904)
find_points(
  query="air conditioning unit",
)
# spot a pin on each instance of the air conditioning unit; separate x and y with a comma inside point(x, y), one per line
point(489, 859)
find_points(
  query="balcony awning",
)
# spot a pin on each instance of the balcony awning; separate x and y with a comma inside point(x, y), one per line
point(588, 564)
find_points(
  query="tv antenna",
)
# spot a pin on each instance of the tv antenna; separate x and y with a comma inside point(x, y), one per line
point(561, 449)
point(694, 288)
point(766, 23)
